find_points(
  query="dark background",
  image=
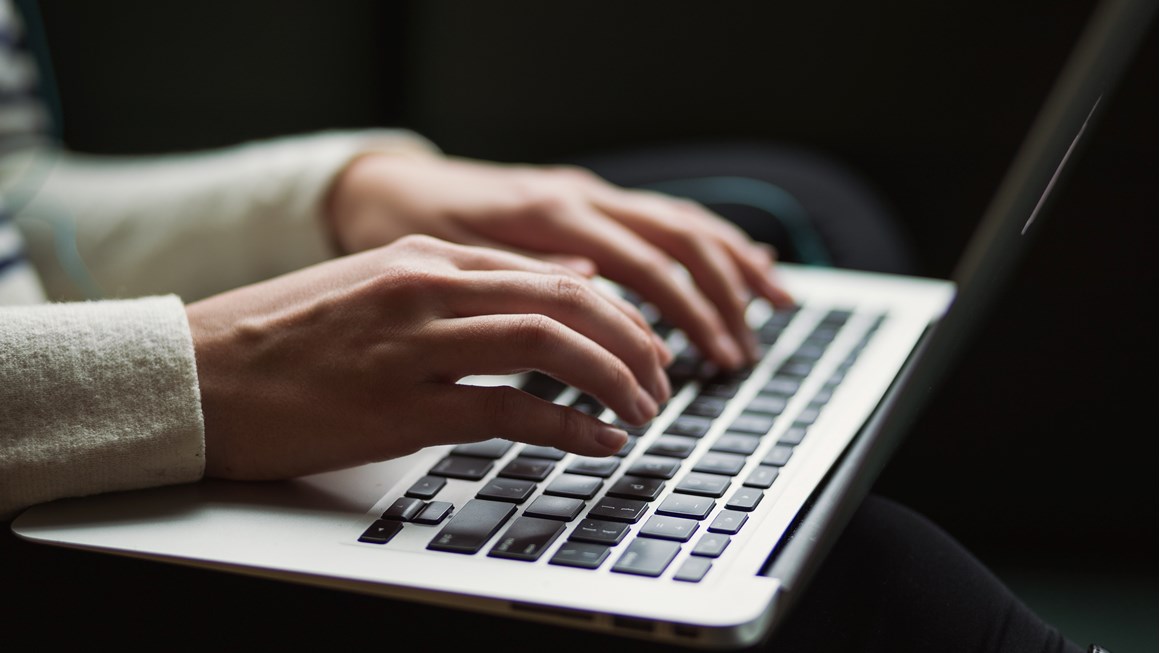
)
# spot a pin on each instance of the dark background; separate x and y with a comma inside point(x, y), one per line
point(1037, 451)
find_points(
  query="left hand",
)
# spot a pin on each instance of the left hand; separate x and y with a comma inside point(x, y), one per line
point(569, 215)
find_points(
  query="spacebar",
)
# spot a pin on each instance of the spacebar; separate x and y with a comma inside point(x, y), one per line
point(472, 526)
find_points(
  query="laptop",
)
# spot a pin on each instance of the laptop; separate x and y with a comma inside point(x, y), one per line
point(706, 528)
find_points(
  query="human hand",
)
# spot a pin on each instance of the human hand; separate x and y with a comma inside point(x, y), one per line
point(639, 239)
point(357, 359)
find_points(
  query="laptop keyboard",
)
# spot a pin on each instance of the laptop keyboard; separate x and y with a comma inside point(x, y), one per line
point(690, 478)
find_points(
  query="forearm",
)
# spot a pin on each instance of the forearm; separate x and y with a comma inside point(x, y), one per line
point(96, 397)
point(193, 224)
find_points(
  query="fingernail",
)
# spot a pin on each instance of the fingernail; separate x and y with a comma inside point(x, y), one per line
point(662, 390)
point(663, 349)
point(752, 345)
point(646, 406)
point(731, 350)
point(611, 438)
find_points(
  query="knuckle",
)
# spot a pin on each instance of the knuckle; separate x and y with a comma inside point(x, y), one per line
point(575, 173)
point(654, 264)
point(546, 203)
point(408, 286)
point(535, 331)
point(418, 243)
point(571, 292)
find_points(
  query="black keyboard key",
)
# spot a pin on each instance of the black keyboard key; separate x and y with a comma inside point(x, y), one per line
point(526, 539)
point(728, 522)
point(664, 527)
point(724, 388)
point(464, 467)
point(796, 368)
point(811, 350)
point(513, 490)
point(706, 485)
point(434, 513)
point(745, 499)
point(762, 476)
point(547, 453)
point(493, 448)
point(472, 526)
point(738, 443)
point(426, 487)
point(755, 423)
point(837, 317)
point(808, 416)
point(602, 467)
point(647, 557)
point(403, 509)
point(692, 570)
point(381, 531)
point(531, 469)
point(617, 509)
point(543, 386)
point(711, 545)
point(599, 531)
point(588, 405)
point(637, 487)
point(793, 436)
point(558, 508)
point(778, 455)
point(782, 385)
point(572, 485)
point(706, 406)
point(584, 555)
point(655, 467)
point(823, 396)
point(780, 319)
point(632, 429)
point(686, 366)
point(767, 403)
point(673, 446)
point(687, 505)
point(716, 462)
point(690, 425)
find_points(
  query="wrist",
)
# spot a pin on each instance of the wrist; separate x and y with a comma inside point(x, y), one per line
point(357, 207)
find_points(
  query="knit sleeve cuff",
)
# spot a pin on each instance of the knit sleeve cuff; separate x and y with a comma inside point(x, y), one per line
point(96, 397)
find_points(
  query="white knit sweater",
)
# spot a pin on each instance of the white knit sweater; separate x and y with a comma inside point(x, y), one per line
point(98, 389)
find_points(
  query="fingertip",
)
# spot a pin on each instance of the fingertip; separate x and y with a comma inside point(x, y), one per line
point(611, 438)
point(729, 352)
point(645, 407)
point(666, 355)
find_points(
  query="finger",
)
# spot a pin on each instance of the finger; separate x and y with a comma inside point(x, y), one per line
point(471, 413)
point(762, 275)
point(624, 256)
point(509, 344)
point(753, 260)
point(612, 323)
point(496, 259)
point(581, 265)
point(711, 265)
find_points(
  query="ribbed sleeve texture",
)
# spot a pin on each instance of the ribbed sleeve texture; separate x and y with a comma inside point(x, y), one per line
point(99, 396)
point(96, 397)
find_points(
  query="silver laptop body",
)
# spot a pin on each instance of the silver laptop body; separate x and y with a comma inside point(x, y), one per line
point(748, 480)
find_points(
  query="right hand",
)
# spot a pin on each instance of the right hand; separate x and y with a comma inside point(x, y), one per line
point(358, 359)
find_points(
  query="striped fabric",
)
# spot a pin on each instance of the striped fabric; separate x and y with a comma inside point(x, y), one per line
point(24, 125)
